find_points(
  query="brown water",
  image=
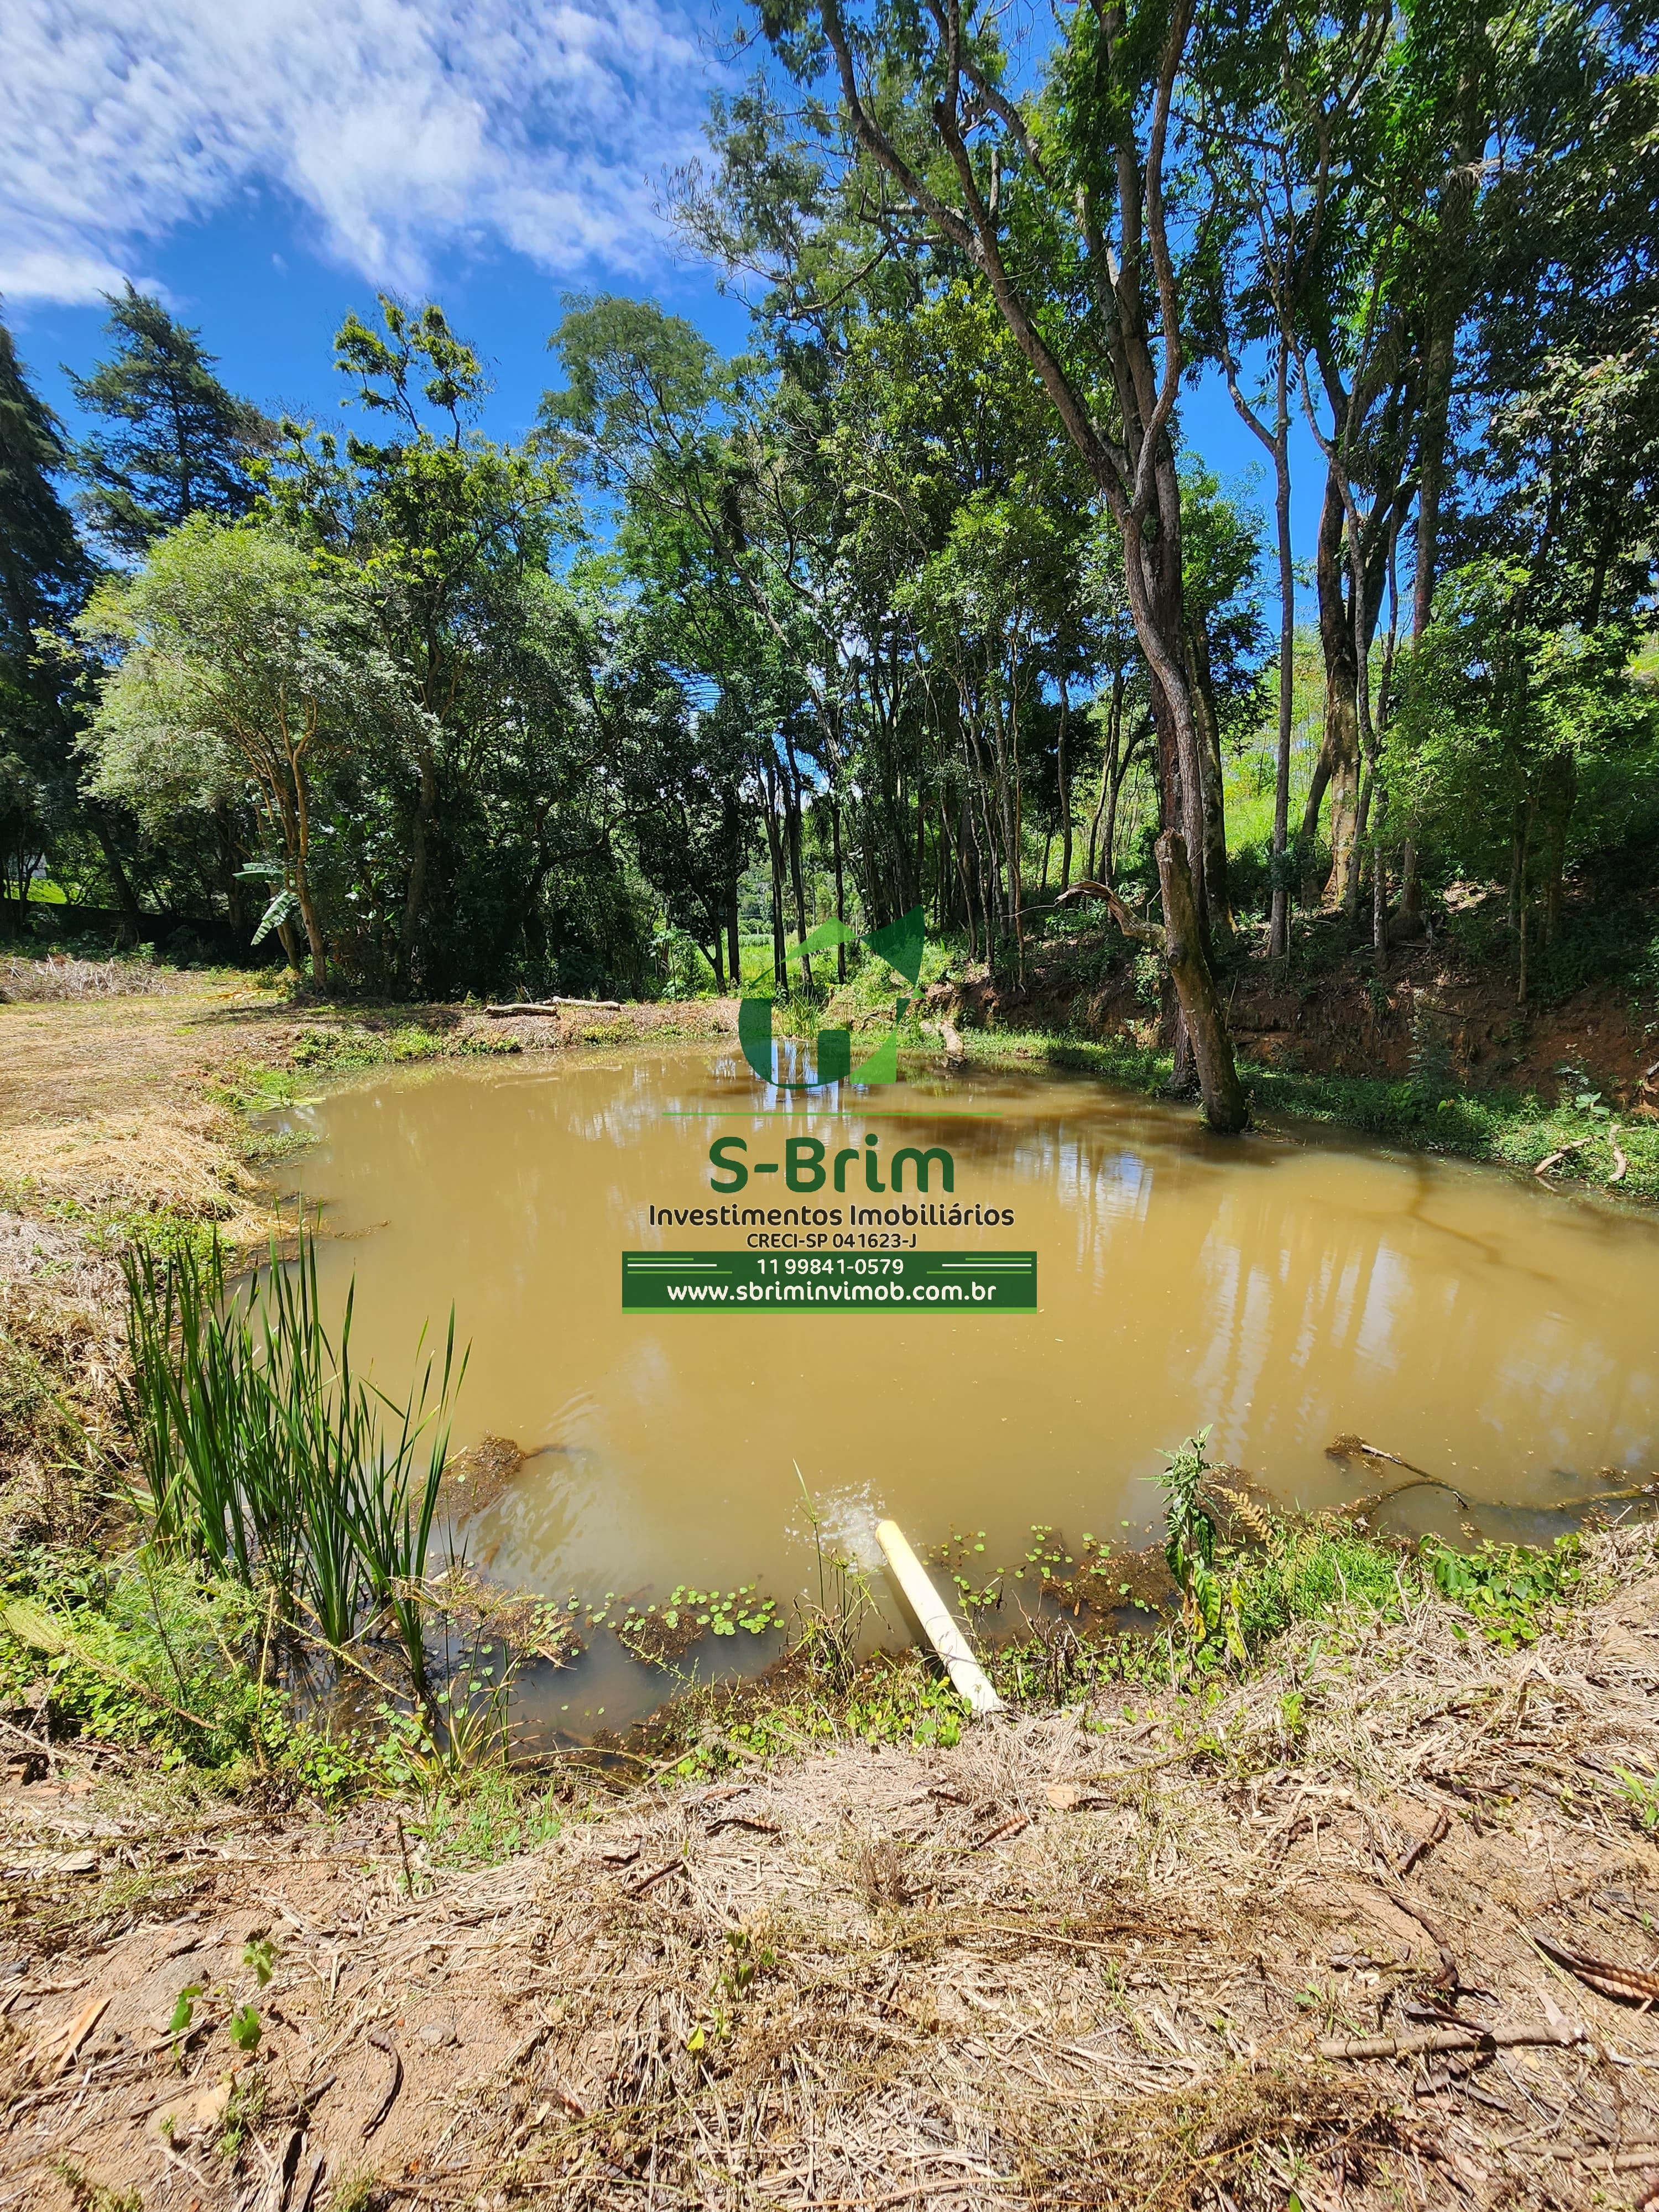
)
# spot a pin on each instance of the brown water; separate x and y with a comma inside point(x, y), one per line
point(1282, 1289)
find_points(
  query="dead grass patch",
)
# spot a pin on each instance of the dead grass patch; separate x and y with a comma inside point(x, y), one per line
point(1064, 1964)
point(60, 976)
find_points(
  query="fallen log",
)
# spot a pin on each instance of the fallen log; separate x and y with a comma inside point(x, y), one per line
point(552, 1006)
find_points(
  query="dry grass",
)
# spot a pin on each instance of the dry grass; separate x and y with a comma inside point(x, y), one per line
point(1086, 1960)
point(59, 976)
point(59, 1346)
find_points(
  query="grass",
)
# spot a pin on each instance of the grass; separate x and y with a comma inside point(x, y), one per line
point(1050, 1637)
point(66, 977)
point(170, 1647)
point(1089, 1960)
point(321, 1052)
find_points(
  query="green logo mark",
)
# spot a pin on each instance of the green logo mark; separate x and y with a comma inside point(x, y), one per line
point(900, 945)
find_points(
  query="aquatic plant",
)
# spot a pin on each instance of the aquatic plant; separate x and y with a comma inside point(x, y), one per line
point(265, 1456)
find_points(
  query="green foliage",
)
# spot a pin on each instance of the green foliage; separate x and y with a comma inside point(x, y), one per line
point(1643, 1794)
point(169, 440)
point(1308, 1569)
point(88, 2195)
point(687, 1612)
point(240, 665)
point(265, 1457)
point(42, 577)
point(1189, 1547)
point(259, 1957)
point(483, 1818)
point(355, 2192)
point(245, 2029)
point(1508, 1589)
point(138, 1651)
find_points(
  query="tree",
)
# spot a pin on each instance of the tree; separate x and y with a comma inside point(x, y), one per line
point(1221, 563)
point(177, 444)
point(714, 518)
point(45, 572)
point(1502, 721)
point(450, 535)
point(1055, 202)
point(236, 663)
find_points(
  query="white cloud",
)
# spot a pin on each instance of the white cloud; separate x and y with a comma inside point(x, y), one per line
point(404, 126)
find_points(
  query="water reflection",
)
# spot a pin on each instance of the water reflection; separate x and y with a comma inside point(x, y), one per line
point(1281, 1291)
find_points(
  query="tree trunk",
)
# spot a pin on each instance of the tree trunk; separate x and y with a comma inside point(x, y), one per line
point(1217, 907)
point(775, 854)
point(734, 942)
point(841, 888)
point(797, 877)
point(1061, 766)
point(1559, 780)
point(426, 807)
point(1201, 1034)
point(1408, 914)
point(301, 850)
point(225, 846)
point(1225, 1106)
point(1525, 845)
point(1279, 927)
point(1341, 752)
point(127, 930)
point(1108, 779)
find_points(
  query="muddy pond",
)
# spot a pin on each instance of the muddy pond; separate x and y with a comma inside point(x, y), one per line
point(1283, 1289)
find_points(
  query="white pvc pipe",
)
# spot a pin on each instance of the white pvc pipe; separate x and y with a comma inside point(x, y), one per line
point(967, 1675)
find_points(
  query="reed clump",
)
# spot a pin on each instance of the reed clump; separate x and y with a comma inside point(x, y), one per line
point(266, 1456)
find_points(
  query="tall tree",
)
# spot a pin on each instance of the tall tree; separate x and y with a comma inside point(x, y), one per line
point(44, 573)
point(1055, 201)
point(452, 533)
point(172, 441)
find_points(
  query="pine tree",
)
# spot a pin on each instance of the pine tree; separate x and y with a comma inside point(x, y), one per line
point(178, 443)
point(44, 575)
point(42, 568)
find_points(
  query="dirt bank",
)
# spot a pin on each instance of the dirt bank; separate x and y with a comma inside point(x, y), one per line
point(1331, 1015)
point(1107, 1958)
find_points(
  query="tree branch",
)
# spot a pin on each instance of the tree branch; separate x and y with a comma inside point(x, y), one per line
point(1140, 931)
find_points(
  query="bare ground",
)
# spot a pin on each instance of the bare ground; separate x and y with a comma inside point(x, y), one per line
point(1098, 1959)
point(1344, 1023)
point(119, 1100)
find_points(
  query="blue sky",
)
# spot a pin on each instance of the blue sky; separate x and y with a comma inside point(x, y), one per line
point(267, 165)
